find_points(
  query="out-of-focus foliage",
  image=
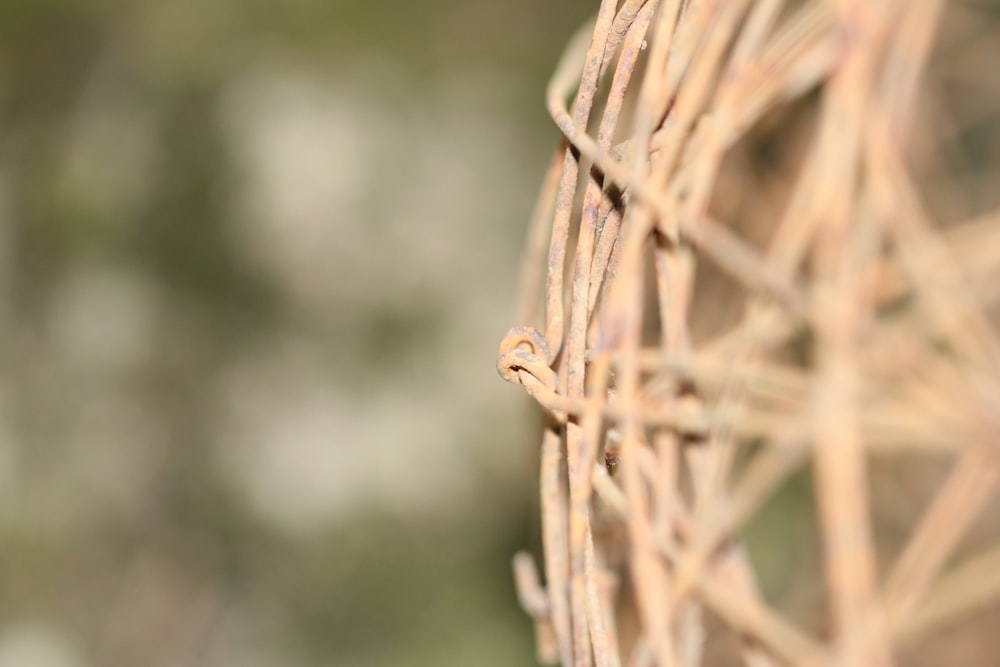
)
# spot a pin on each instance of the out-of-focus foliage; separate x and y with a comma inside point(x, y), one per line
point(254, 262)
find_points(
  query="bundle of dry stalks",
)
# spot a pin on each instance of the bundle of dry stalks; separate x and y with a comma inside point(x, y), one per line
point(832, 320)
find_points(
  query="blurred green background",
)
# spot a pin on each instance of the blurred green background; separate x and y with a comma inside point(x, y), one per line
point(255, 260)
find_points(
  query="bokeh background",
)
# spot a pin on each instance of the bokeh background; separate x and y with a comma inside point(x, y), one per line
point(255, 259)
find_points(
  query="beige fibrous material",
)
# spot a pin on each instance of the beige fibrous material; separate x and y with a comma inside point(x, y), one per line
point(860, 326)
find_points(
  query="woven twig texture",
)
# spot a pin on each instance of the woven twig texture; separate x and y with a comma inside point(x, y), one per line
point(704, 340)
